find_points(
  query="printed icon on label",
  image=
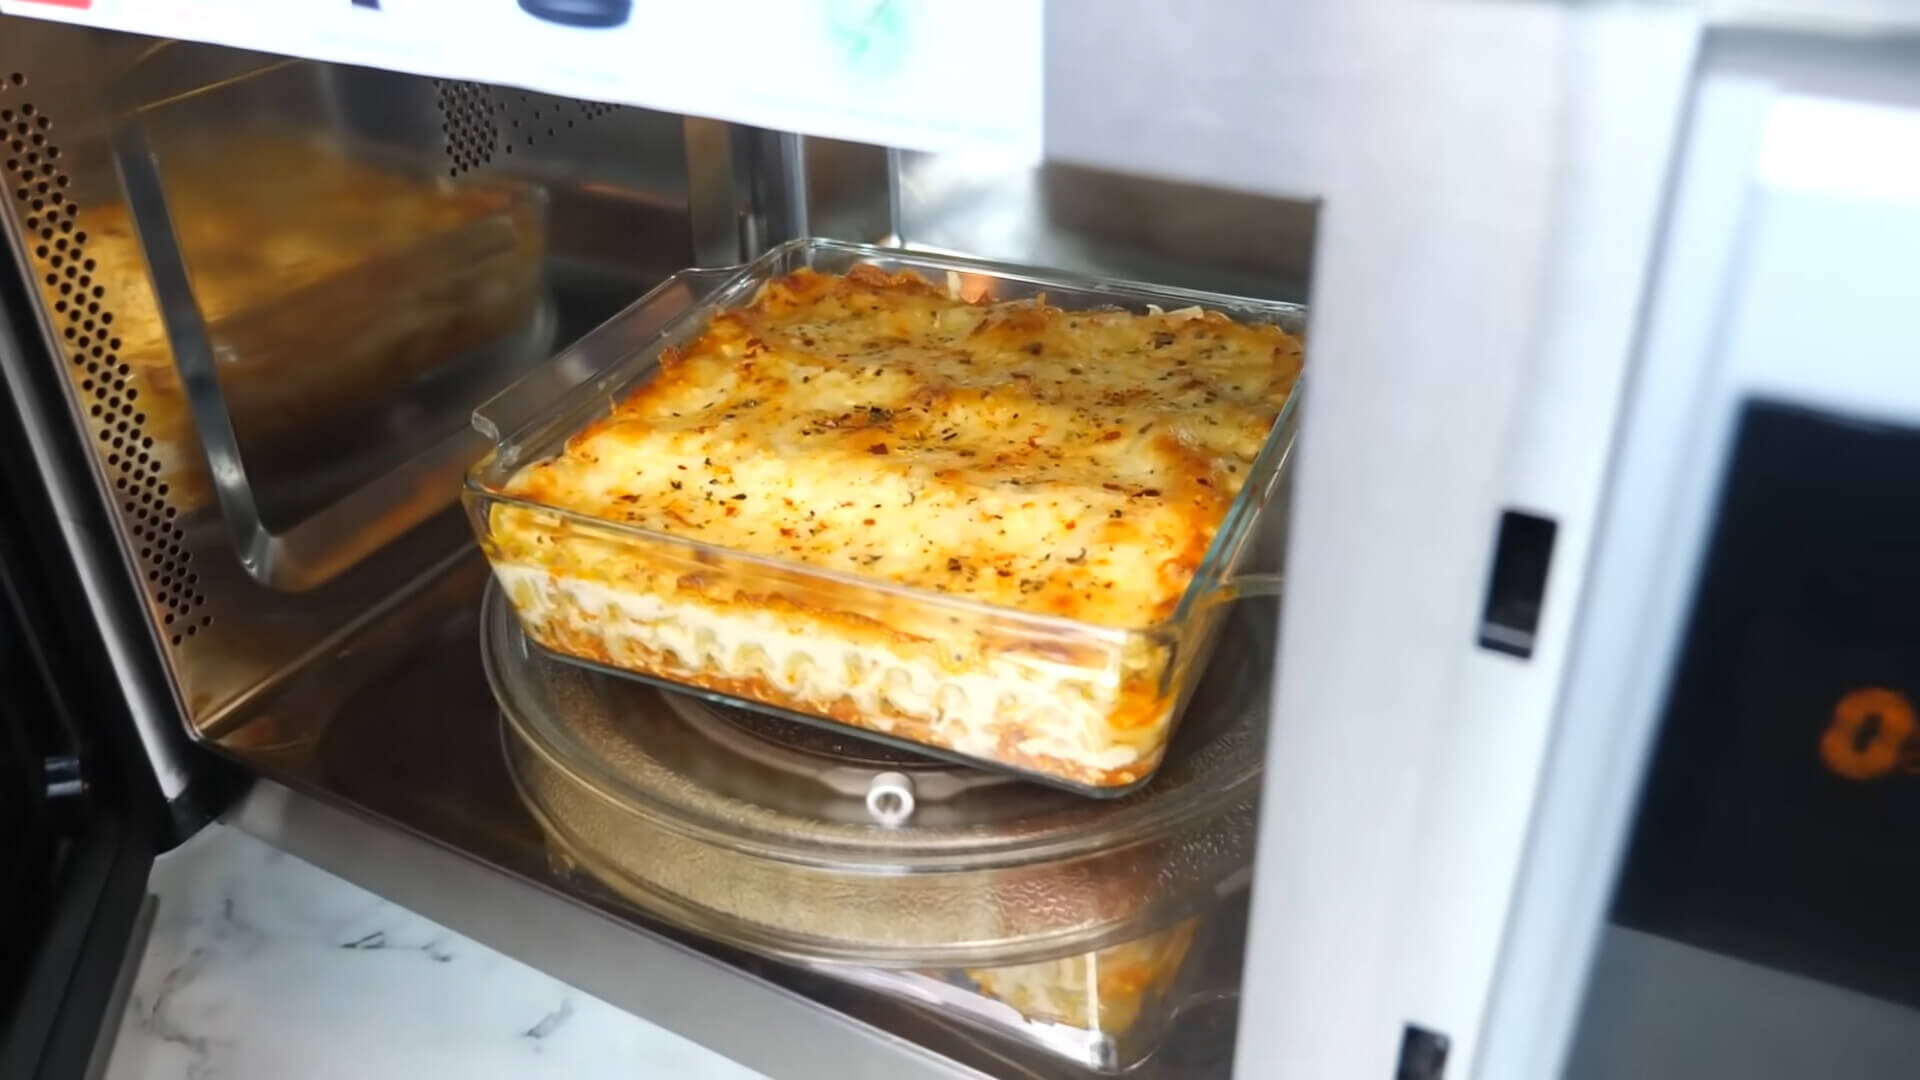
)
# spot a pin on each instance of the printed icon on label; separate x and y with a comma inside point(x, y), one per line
point(596, 14)
point(869, 36)
point(1870, 735)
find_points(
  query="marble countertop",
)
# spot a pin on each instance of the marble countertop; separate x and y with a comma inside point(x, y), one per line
point(261, 965)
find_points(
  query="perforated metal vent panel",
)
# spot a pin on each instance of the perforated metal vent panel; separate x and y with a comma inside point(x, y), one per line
point(466, 117)
point(54, 228)
point(485, 123)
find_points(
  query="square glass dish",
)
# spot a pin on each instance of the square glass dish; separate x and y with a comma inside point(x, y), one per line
point(1060, 699)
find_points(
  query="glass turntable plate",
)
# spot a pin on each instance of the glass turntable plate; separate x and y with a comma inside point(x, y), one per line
point(1008, 904)
point(768, 835)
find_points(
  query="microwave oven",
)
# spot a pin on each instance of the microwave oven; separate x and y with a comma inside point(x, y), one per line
point(1582, 734)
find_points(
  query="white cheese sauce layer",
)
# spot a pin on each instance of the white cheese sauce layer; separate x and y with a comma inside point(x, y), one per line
point(1061, 709)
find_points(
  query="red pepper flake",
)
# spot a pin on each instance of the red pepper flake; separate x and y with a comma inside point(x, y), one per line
point(877, 448)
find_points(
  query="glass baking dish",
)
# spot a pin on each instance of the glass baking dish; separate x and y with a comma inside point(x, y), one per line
point(1073, 703)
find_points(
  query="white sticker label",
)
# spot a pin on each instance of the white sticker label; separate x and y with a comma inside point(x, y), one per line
point(916, 74)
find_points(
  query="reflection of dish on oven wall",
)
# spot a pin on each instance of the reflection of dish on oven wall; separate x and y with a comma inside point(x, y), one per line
point(592, 14)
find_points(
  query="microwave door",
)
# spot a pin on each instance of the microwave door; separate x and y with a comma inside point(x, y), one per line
point(81, 817)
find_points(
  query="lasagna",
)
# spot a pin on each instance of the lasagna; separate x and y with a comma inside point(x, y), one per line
point(959, 522)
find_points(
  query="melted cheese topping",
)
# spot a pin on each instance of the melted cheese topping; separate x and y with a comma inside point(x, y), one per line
point(1048, 462)
point(1072, 463)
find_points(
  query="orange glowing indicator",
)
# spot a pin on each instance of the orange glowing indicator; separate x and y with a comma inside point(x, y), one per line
point(1869, 735)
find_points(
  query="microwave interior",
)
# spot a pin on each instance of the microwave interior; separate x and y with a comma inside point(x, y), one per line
point(281, 290)
point(277, 309)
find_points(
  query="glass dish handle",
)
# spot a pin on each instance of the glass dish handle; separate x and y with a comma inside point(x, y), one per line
point(545, 389)
point(1245, 586)
point(1253, 585)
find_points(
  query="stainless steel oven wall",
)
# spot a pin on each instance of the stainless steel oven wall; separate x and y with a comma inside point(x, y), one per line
point(752, 189)
point(1076, 218)
point(124, 158)
point(749, 189)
